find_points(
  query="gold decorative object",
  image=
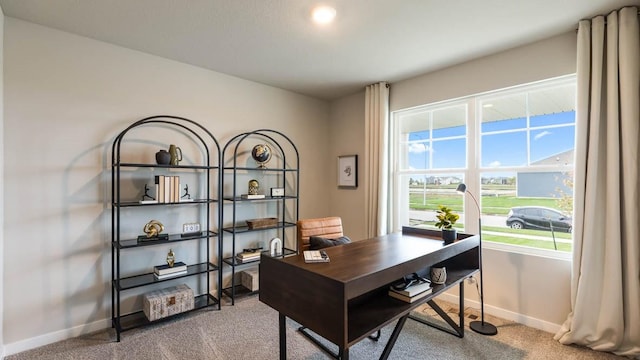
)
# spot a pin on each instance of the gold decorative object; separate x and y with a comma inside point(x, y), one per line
point(153, 228)
point(254, 186)
point(171, 258)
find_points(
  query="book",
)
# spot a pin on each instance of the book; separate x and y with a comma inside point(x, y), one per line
point(175, 188)
point(165, 276)
point(159, 181)
point(166, 269)
point(167, 189)
point(244, 261)
point(413, 289)
point(172, 188)
point(316, 256)
point(248, 255)
point(409, 299)
point(251, 197)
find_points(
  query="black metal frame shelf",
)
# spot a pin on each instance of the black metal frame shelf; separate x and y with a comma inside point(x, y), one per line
point(244, 229)
point(131, 282)
point(266, 198)
point(233, 261)
point(210, 173)
point(265, 169)
point(173, 238)
point(136, 203)
point(137, 319)
point(287, 205)
point(187, 167)
point(238, 290)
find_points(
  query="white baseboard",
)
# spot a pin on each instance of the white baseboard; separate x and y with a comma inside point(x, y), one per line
point(506, 314)
point(50, 338)
point(32, 343)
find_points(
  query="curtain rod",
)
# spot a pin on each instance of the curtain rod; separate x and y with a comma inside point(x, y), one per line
point(610, 12)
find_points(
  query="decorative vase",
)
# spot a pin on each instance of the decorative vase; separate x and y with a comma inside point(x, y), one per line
point(175, 154)
point(163, 157)
point(449, 235)
point(438, 275)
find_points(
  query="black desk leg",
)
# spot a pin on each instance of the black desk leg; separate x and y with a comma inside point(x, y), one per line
point(283, 336)
point(393, 337)
point(461, 310)
point(343, 354)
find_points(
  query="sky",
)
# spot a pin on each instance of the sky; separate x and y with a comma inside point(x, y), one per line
point(503, 143)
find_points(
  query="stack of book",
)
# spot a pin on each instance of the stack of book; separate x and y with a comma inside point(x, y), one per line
point(252, 196)
point(167, 190)
point(166, 271)
point(411, 293)
point(248, 256)
point(316, 256)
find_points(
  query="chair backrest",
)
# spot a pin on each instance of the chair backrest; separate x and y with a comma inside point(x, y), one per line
point(327, 227)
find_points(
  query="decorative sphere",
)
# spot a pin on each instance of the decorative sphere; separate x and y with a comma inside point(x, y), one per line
point(261, 153)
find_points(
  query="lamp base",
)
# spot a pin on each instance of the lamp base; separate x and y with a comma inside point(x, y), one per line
point(483, 328)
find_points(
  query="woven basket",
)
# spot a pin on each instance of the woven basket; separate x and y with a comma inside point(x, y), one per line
point(262, 223)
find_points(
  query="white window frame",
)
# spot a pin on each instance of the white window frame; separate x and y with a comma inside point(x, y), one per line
point(473, 168)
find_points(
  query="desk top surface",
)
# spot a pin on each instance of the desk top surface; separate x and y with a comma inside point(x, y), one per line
point(359, 259)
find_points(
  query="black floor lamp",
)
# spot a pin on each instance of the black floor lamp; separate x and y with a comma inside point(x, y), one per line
point(480, 327)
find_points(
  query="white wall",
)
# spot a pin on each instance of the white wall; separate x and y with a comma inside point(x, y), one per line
point(347, 138)
point(66, 97)
point(531, 289)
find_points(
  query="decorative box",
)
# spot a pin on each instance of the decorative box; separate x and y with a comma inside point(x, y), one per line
point(173, 300)
point(262, 223)
point(249, 279)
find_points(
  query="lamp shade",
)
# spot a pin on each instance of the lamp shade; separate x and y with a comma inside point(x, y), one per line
point(462, 188)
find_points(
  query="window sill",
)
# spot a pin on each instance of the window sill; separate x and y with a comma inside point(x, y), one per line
point(522, 250)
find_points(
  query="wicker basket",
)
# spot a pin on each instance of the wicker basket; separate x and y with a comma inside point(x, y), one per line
point(262, 223)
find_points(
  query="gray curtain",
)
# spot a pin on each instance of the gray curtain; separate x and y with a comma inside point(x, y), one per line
point(376, 144)
point(605, 288)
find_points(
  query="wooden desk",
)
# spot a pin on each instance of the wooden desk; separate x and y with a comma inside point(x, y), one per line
point(346, 300)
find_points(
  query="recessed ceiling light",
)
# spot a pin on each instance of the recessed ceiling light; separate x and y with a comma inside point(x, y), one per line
point(487, 105)
point(323, 14)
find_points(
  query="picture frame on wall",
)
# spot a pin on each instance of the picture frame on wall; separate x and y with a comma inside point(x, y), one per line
point(348, 171)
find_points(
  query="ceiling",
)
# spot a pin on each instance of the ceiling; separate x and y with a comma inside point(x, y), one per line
point(274, 42)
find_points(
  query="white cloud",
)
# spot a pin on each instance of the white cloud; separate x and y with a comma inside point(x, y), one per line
point(494, 164)
point(418, 148)
point(541, 135)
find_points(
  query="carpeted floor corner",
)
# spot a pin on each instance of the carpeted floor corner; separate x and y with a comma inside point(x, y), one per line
point(249, 330)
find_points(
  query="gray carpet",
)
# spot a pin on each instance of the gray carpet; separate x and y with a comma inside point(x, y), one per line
point(249, 330)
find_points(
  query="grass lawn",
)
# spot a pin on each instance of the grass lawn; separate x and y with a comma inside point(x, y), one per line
point(539, 244)
point(491, 205)
point(507, 238)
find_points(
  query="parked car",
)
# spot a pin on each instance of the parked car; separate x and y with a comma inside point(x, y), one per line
point(539, 218)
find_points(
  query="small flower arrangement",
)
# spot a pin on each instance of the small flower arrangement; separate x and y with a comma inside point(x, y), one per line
point(446, 218)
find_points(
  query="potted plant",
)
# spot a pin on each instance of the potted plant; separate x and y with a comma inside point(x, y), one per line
point(446, 218)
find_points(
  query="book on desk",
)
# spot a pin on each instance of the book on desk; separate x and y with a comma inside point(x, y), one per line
point(411, 293)
point(316, 256)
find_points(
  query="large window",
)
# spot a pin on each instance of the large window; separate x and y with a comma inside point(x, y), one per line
point(512, 148)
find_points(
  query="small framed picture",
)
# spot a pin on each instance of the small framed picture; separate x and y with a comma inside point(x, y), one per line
point(277, 192)
point(348, 171)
